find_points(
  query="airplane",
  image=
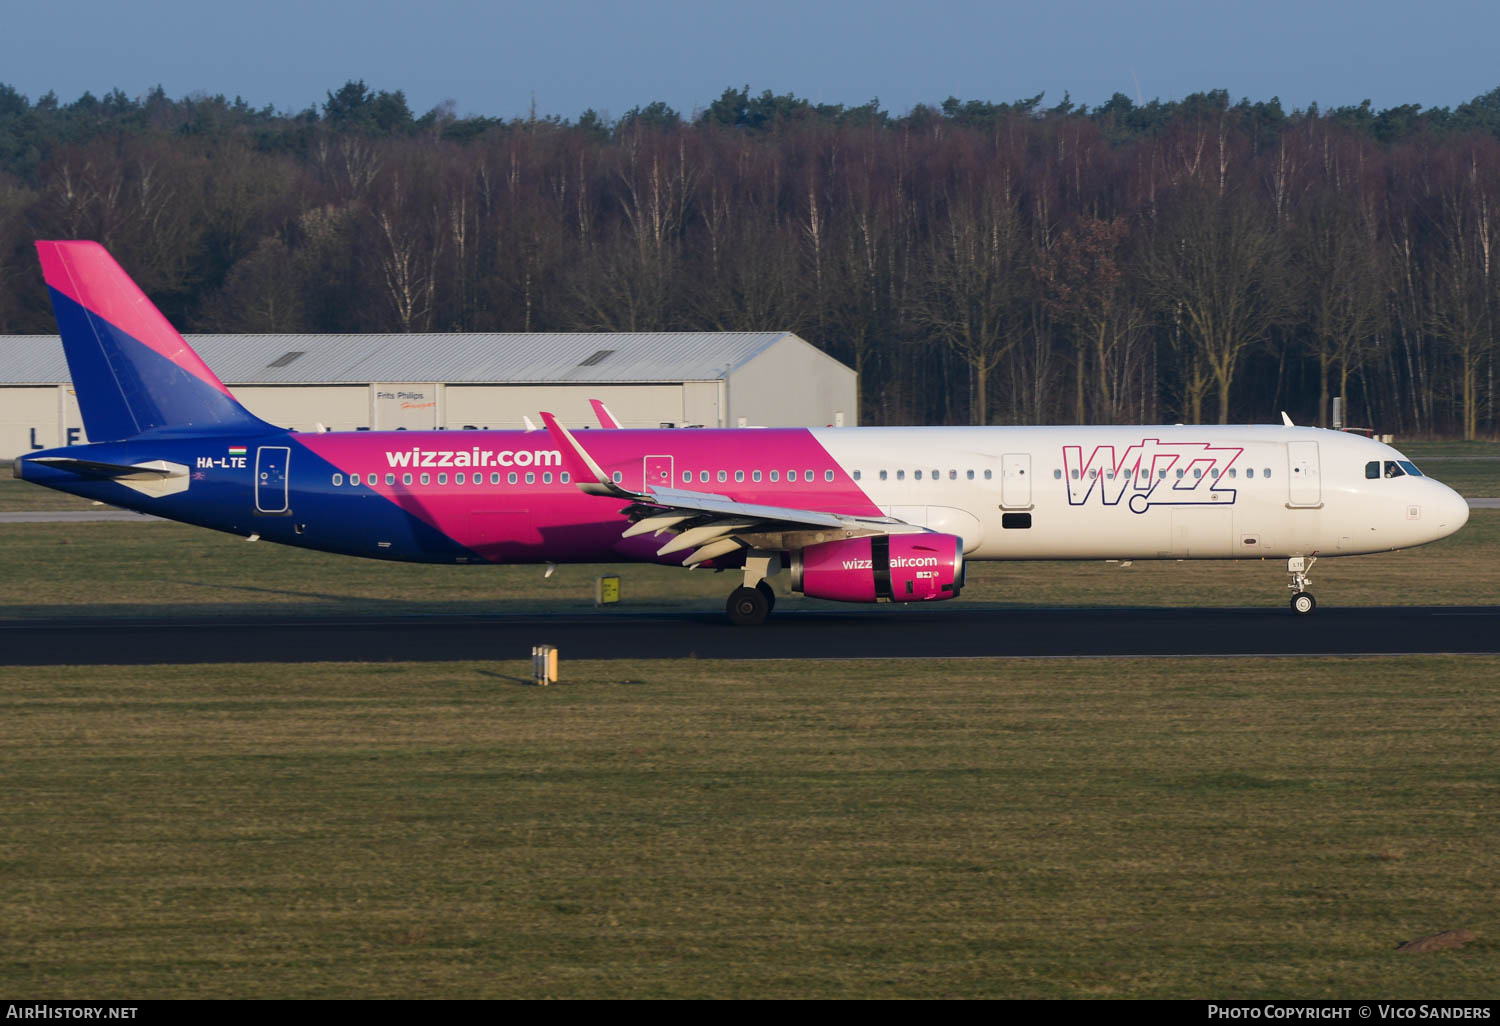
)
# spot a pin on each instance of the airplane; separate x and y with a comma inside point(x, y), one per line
point(859, 515)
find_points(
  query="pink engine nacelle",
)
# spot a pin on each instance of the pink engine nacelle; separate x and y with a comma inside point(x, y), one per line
point(897, 567)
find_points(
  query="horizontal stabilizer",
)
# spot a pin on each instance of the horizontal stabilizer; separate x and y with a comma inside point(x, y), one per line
point(114, 471)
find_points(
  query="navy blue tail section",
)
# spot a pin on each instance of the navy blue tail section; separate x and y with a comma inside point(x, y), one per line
point(131, 369)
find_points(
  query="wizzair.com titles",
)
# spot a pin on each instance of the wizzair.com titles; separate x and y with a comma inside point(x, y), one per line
point(419, 457)
point(896, 562)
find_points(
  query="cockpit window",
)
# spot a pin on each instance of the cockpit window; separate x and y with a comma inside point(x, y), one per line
point(1392, 469)
point(1409, 467)
point(1372, 470)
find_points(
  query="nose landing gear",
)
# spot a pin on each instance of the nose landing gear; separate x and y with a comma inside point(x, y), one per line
point(1302, 601)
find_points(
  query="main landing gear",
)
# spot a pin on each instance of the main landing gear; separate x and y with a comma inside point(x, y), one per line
point(752, 603)
point(1302, 601)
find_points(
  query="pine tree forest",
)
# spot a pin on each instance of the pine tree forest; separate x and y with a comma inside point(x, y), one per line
point(976, 262)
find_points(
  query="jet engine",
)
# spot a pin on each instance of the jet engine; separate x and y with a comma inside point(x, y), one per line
point(896, 567)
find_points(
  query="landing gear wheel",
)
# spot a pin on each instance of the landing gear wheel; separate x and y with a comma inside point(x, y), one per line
point(770, 594)
point(1303, 603)
point(747, 607)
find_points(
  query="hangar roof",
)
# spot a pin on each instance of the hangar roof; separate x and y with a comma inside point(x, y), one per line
point(616, 357)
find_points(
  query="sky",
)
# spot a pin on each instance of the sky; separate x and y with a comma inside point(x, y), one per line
point(493, 58)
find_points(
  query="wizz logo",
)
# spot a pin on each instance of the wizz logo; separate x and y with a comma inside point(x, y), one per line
point(1151, 473)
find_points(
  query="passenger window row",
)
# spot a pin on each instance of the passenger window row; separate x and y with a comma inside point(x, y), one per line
point(459, 478)
point(1109, 475)
point(931, 475)
point(774, 476)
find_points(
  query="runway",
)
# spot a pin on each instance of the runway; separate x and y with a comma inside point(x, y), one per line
point(122, 516)
point(886, 632)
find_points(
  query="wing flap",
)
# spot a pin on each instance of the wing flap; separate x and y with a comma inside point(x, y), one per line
point(706, 524)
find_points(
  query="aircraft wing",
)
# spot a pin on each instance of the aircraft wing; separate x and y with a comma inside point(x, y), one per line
point(705, 524)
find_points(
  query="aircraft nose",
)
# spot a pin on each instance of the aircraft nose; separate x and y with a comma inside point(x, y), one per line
point(1452, 510)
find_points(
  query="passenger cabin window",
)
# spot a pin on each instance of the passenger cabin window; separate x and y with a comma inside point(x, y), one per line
point(916, 474)
point(442, 479)
point(338, 479)
point(807, 475)
point(882, 475)
point(511, 478)
point(1057, 475)
point(856, 475)
point(530, 477)
point(969, 474)
point(900, 475)
point(1249, 471)
point(988, 475)
point(739, 475)
point(827, 475)
point(775, 476)
point(458, 478)
point(755, 475)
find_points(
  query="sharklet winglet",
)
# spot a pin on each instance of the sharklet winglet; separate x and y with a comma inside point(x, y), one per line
point(592, 479)
point(607, 420)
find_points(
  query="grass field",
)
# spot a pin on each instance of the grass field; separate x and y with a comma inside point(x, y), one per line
point(1116, 827)
point(136, 569)
point(1017, 828)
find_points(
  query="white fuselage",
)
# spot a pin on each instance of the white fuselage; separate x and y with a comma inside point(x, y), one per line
point(1173, 492)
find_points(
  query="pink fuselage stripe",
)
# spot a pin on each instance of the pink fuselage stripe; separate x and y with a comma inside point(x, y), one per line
point(89, 276)
point(561, 509)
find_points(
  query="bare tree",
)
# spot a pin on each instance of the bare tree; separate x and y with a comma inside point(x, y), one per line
point(1218, 264)
point(971, 297)
point(1342, 280)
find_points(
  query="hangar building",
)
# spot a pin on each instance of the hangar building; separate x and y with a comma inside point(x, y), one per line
point(457, 381)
